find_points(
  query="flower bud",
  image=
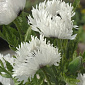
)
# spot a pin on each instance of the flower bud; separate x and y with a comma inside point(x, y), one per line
point(75, 64)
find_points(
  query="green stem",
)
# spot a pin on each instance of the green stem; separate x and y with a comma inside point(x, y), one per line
point(55, 74)
point(61, 47)
point(67, 50)
point(18, 28)
point(54, 70)
point(46, 75)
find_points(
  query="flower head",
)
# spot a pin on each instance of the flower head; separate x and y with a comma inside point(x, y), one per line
point(3, 80)
point(7, 58)
point(53, 19)
point(82, 79)
point(38, 54)
point(9, 10)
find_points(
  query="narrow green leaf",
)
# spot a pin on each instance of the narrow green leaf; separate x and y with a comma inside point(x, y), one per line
point(11, 35)
point(83, 55)
point(4, 70)
point(70, 80)
point(28, 34)
point(75, 4)
point(1, 63)
point(5, 75)
point(51, 74)
point(22, 25)
point(15, 81)
point(9, 66)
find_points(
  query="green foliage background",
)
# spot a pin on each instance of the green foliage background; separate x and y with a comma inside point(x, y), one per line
point(19, 31)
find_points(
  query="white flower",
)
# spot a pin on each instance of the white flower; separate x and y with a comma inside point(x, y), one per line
point(53, 19)
point(38, 54)
point(6, 81)
point(7, 58)
point(9, 10)
point(82, 79)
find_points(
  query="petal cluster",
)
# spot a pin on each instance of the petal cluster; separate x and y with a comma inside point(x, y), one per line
point(3, 80)
point(53, 19)
point(82, 79)
point(7, 58)
point(34, 55)
point(9, 10)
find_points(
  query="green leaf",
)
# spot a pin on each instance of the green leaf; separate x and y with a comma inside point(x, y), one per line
point(75, 4)
point(16, 82)
point(11, 36)
point(74, 54)
point(5, 75)
point(1, 63)
point(70, 80)
point(83, 55)
point(5, 71)
point(9, 66)
point(28, 34)
point(22, 25)
point(51, 75)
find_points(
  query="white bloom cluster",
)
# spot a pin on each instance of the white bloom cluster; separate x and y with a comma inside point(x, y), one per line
point(9, 10)
point(82, 79)
point(6, 81)
point(34, 55)
point(7, 58)
point(53, 19)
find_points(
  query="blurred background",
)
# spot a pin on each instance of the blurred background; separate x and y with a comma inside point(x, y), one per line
point(79, 20)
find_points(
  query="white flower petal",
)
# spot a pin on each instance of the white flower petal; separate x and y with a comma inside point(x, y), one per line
point(6, 81)
point(7, 58)
point(38, 54)
point(82, 79)
point(9, 10)
point(53, 19)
